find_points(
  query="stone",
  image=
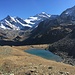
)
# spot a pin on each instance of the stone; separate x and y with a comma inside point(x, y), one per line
point(61, 72)
point(50, 67)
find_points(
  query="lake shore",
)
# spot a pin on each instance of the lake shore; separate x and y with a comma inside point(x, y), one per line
point(66, 59)
point(26, 47)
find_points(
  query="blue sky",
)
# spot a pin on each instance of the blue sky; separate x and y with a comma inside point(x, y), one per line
point(27, 8)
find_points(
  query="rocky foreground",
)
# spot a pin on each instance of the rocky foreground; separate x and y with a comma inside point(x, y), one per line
point(14, 61)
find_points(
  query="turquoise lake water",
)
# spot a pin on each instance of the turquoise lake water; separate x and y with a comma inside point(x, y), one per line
point(44, 54)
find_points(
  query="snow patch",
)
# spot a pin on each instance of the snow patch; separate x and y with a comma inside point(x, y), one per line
point(13, 19)
point(23, 24)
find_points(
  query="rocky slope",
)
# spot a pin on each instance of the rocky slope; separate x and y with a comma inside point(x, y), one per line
point(65, 48)
point(49, 31)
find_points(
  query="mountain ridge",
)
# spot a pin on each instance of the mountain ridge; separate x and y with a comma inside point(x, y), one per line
point(17, 23)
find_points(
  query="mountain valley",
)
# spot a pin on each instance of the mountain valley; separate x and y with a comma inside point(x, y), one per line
point(55, 33)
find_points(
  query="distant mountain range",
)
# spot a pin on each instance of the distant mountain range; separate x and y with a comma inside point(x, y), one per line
point(16, 23)
point(41, 28)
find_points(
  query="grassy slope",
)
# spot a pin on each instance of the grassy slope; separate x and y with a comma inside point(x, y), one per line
point(14, 60)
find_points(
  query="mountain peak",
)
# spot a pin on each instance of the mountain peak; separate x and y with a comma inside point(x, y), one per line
point(8, 17)
point(69, 11)
point(43, 12)
point(73, 6)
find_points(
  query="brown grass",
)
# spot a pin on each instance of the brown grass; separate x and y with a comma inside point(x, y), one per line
point(15, 60)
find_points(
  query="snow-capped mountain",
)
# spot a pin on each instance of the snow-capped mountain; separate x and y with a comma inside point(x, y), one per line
point(17, 23)
point(35, 20)
point(13, 23)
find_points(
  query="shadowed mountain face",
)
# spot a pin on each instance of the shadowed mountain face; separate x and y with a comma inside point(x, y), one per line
point(65, 48)
point(67, 44)
point(48, 31)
